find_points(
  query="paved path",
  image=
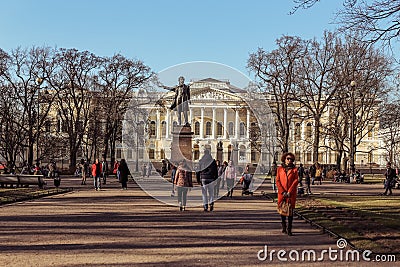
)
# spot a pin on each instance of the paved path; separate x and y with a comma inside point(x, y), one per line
point(115, 227)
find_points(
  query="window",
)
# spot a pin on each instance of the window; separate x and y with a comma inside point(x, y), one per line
point(219, 129)
point(119, 153)
point(308, 156)
point(163, 129)
point(230, 129)
point(242, 153)
point(48, 126)
point(229, 152)
point(129, 154)
point(152, 128)
point(162, 152)
point(197, 128)
point(255, 131)
point(151, 153)
point(297, 131)
point(208, 128)
point(242, 129)
point(309, 130)
point(370, 131)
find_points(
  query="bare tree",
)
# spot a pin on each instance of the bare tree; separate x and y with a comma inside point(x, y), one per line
point(390, 127)
point(314, 82)
point(71, 82)
point(276, 71)
point(23, 76)
point(377, 20)
point(118, 78)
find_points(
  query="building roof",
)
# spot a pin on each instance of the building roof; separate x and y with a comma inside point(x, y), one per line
point(222, 84)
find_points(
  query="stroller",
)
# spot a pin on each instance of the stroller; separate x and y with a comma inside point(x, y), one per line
point(246, 180)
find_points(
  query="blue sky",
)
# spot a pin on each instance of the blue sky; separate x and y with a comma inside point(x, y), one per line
point(161, 33)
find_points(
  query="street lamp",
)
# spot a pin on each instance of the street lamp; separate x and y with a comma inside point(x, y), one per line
point(352, 142)
point(38, 82)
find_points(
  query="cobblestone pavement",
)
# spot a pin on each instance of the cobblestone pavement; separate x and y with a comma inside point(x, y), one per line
point(115, 227)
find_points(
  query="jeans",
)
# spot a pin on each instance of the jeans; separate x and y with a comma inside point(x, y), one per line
point(97, 182)
point(207, 190)
point(182, 195)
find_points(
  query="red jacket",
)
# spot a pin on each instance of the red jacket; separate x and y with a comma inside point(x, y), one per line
point(94, 170)
point(287, 183)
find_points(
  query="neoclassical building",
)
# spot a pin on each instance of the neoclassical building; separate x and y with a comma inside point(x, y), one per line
point(233, 125)
point(222, 120)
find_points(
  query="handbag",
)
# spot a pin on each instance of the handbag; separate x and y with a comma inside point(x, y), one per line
point(284, 208)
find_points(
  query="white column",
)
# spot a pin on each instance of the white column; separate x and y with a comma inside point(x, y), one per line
point(202, 123)
point(237, 124)
point(225, 122)
point(158, 124)
point(248, 123)
point(167, 124)
point(213, 123)
point(190, 115)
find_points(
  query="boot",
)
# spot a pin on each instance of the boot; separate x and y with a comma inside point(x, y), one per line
point(206, 207)
point(283, 218)
point(211, 206)
point(289, 228)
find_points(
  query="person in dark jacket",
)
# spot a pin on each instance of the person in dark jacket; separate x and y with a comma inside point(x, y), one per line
point(390, 176)
point(208, 175)
point(123, 173)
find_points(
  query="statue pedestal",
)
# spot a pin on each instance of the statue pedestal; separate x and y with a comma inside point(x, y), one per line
point(181, 145)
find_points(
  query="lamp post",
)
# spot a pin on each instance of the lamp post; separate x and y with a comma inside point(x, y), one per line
point(352, 150)
point(38, 82)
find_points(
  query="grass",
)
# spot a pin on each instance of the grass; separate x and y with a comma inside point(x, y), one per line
point(368, 222)
point(11, 195)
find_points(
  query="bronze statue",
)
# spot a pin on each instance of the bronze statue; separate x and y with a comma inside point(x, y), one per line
point(182, 100)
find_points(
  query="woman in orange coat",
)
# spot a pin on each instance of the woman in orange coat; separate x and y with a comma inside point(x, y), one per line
point(286, 181)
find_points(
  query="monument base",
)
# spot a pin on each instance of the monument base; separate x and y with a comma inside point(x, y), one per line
point(181, 145)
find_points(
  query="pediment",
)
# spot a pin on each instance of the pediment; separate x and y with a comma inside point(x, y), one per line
point(202, 94)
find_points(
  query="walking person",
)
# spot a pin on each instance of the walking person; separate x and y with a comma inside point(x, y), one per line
point(123, 173)
point(313, 170)
point(287, 179)
point(173, 174)
point(104, 170)
point(83, 170)
point(300, 170)
point(230, 178)
point(208, 175)
point(221, 169)
point(183, 181)
point(308, 181)
point(115, 169)
point(390, 177)
point(223, 175)
point(96, 173)
point(149, 169)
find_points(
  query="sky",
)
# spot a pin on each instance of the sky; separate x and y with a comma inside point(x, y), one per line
point(162, 33)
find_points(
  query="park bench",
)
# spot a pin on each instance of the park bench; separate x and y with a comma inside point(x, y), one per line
point(22, 180)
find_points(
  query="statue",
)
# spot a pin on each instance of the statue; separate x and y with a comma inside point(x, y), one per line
point(181, 101)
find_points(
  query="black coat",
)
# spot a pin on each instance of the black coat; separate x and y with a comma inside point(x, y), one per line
point(123, 172)
point(208, 168)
